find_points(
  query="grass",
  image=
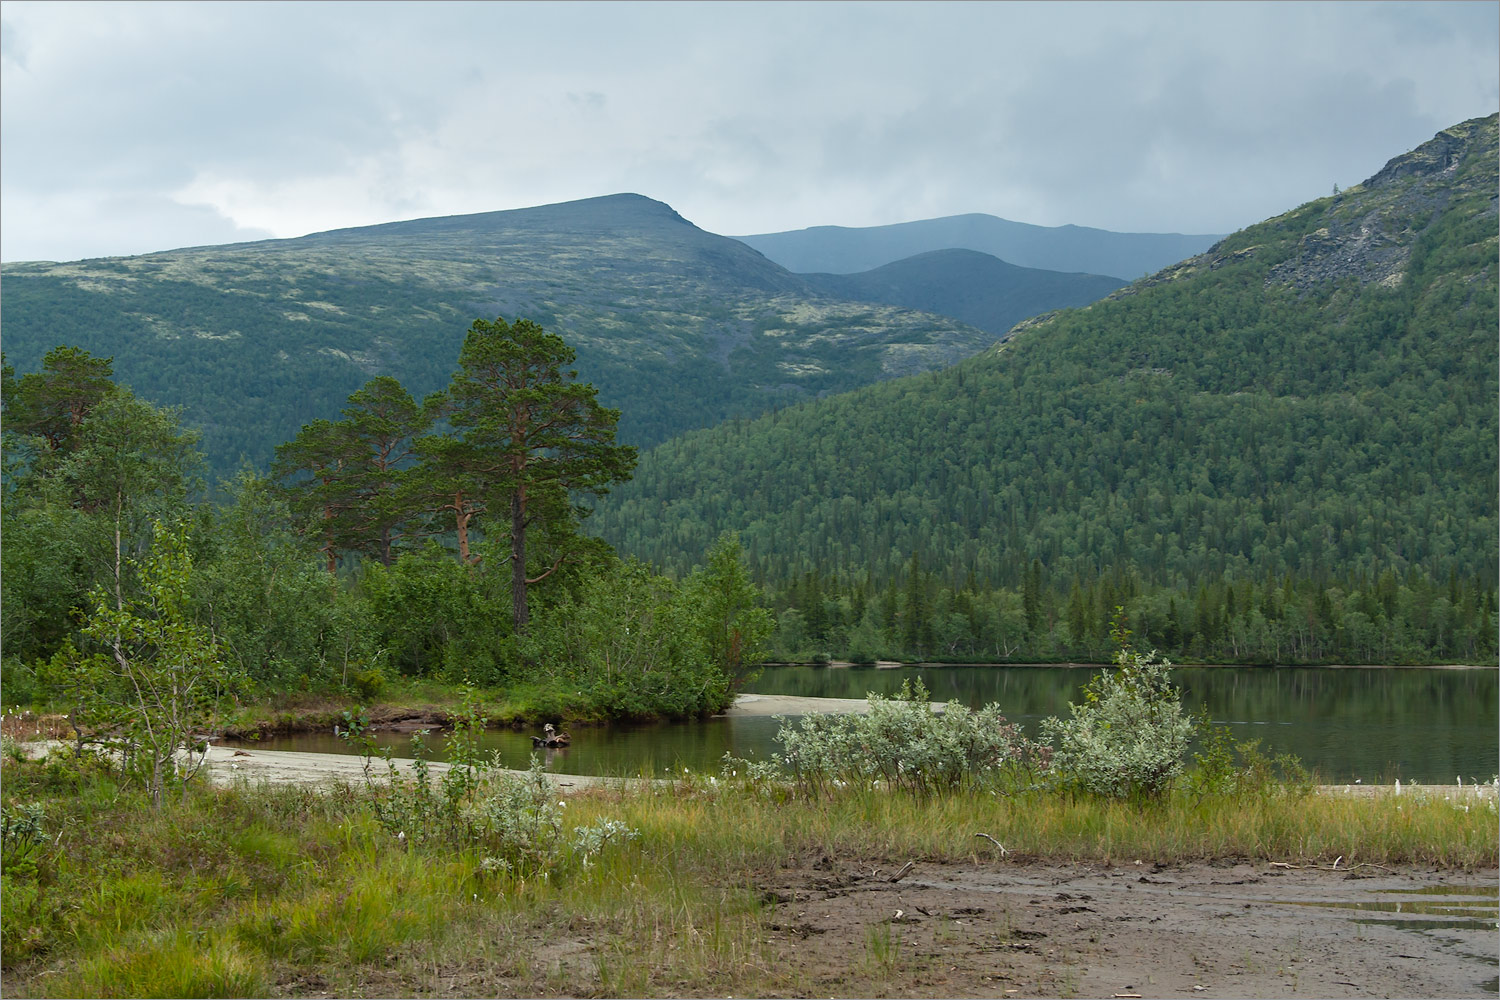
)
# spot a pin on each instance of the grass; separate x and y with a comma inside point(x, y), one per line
point(283, 890)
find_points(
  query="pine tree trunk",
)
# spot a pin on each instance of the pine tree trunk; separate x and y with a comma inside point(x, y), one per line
point(518, 558)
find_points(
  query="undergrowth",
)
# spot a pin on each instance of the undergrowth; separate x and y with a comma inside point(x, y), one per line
point(259, 890)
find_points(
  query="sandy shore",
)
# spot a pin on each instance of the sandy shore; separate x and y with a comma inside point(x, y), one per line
point(227, 765)
point(786, 704)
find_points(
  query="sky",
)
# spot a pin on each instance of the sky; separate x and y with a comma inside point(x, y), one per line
point(132, 127)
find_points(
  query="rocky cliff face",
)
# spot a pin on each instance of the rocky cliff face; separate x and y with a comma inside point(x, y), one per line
point(1368, 231)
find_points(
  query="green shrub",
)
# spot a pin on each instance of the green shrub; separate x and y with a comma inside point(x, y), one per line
point(21, 838)
point(515, 820)
point(903, 744)
point(1129, 738)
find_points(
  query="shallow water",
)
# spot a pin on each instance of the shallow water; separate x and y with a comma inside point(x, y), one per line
point(1347, 724)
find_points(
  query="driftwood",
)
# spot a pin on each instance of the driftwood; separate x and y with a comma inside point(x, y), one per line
point(1330, 868)
point(1003, 851)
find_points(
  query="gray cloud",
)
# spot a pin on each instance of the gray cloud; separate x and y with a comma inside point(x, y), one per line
point(156, 125)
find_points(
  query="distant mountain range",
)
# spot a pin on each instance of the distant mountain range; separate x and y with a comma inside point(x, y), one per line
point(678, 327)
point(969, 286)
point(1314, 395)
point(840, 250)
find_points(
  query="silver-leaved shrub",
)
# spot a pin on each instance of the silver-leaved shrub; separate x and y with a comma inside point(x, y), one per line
point(901, 743)
point(1129, 738)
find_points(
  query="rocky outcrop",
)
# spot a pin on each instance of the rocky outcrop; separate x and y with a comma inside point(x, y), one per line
point(1368, 231)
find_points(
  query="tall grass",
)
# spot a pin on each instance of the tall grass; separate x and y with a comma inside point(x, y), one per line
point(253, 891)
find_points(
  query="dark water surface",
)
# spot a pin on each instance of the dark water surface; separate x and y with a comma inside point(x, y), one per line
point(1345, 723)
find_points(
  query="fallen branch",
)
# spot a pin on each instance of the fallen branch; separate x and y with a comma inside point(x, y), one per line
point(1003, 851)
point(905, 869)
point(1333, 868)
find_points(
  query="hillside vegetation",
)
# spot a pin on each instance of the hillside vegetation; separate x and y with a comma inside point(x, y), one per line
point(678, 327)
point(1314, 396)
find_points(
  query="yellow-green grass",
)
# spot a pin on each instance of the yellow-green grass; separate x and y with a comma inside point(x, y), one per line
point(255, 891)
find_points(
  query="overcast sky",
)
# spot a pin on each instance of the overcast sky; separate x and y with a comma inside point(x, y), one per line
point(126, 128)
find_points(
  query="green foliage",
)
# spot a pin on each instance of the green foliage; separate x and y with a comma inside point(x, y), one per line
point(634, 641)
point(1129, 738)
point(51, 404)
point(531, 438)
point(733, 626)
point(902, 744)
point(349, 481)
point(1223, 767)
point(164, 674)
point(434, 617)
point(281, 621)
point(22, 832)
point(1356, 618)
point(88, 468)
point(514, 820)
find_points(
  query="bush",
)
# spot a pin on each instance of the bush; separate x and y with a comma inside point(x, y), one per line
point(903, 744)
point(631, 641)
point(515, 820)
point(1129, 738)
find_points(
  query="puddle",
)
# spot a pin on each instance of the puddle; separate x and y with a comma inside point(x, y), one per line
point(1437, 925)
point(1491, 891)
point(1478, 910)
point(1446, 910)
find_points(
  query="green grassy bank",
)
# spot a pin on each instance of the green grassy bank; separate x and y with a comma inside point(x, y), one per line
point(293, 891)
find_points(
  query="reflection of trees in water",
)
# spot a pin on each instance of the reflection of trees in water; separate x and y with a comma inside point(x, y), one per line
point(1418, 725)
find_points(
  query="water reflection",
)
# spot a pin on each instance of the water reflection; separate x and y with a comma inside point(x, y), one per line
point(1427, 726)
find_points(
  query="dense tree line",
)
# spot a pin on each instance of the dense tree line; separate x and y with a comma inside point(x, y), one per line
point(1364, 618)
point(346, 567)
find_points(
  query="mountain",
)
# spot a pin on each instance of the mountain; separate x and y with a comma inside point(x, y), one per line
point(1314, 395)
point(969, 286)
point(678, 327)
point(840, 250)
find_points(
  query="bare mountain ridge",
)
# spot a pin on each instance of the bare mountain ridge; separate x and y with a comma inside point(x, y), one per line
point(678, 327)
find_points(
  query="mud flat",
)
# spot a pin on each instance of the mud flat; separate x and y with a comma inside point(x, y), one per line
point(1244, 929)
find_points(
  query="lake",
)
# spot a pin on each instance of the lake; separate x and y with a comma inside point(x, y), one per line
point(1374, 724)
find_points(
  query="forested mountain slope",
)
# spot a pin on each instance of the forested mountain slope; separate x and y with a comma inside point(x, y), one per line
point(973, 287)
point(678, 327)
point(1313, 395)
point(843, 250)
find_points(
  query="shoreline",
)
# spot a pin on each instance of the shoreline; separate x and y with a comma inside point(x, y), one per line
point(226, 766)
point(1070, 665)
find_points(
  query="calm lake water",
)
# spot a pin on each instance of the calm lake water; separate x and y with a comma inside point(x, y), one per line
point(1347, 723)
